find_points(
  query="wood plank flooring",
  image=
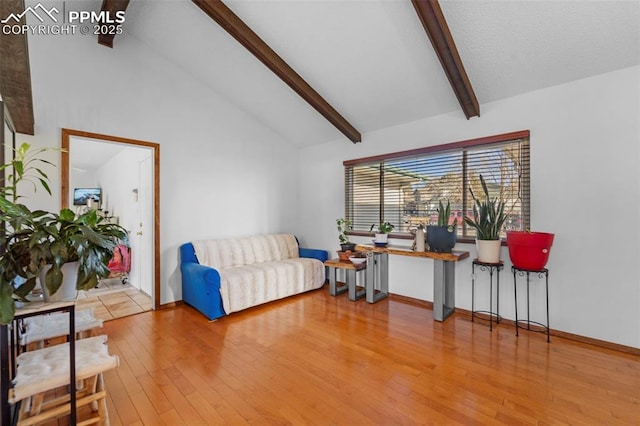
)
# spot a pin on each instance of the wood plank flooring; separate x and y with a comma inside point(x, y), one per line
point(317, 359)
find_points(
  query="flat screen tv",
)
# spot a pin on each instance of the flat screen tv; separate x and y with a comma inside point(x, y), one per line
point(82, 195)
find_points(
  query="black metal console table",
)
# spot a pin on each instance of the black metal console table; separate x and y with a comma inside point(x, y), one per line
point(491, 267)
point(541, 273)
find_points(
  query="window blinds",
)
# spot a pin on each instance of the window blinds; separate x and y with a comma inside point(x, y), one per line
point(405, 188)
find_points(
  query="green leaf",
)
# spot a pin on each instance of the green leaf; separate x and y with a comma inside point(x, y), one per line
point(26, 288)
point(53, 279)
point(67, 215)
point(45, 185)
point(7, 306)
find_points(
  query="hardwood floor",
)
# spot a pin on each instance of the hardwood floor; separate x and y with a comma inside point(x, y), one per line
point(316, 359)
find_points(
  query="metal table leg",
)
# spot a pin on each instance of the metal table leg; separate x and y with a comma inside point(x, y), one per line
point(334, 289)
point(444, 291)
point(377, 270)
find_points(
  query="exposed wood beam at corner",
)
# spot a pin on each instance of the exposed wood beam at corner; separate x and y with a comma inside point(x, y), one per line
point(435, 25)
point(231, 23)
point(111, 6)
point(15, 72)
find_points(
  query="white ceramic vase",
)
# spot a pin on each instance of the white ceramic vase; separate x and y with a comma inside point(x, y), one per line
point(488, 250)
point(420, 241)
point(67, 291)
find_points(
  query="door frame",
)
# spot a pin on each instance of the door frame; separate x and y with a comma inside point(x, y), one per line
point(64, 195)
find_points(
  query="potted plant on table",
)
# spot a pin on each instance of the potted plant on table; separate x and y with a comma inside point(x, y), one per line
point(382, 232)
point(346, 246)
point(488, 220)
point(443, 236)
point(33, 239)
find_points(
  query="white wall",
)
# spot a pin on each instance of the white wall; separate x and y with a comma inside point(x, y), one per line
point(117, 178)
point(80, 179)
point(585, 163)
point(221, 173)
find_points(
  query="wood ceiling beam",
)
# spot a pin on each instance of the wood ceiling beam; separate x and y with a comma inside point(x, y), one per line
point(231, 23)
point(15, 72)
point(435, 25)
point(111, 6)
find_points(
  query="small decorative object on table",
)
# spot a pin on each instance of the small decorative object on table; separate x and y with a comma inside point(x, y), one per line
point(358, 258)
point(419, 241)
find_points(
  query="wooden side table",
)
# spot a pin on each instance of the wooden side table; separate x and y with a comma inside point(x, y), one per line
point(336, 288)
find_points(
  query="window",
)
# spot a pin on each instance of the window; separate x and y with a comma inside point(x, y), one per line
point(404, 188)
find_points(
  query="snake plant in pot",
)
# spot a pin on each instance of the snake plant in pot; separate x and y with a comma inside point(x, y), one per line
point(442, 238)
point(488, 220)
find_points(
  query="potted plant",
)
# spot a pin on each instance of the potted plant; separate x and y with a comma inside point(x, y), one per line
point(443, 236)
point(382, 231)
point(346, 246)
point(488, 220)
point(529, 250)
point(73, 250)
point(33, 239)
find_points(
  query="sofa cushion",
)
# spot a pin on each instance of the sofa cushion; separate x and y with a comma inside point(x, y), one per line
point(244, 286)
point(229, 253)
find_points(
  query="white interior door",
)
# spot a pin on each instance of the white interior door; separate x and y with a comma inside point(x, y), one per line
point(144, 233)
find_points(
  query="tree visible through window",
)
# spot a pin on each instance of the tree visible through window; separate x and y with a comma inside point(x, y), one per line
point(404, 188)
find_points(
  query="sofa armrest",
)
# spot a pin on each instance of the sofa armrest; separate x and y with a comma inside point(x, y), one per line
point(321, 255)
point(201, 289)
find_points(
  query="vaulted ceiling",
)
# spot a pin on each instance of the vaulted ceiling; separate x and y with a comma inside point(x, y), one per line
point(372, 61)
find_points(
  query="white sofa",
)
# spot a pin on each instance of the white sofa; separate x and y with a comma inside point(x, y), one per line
point(227, 275)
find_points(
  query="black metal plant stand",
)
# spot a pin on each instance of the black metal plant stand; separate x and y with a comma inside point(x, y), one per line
point(491, 267)
point(541, 273)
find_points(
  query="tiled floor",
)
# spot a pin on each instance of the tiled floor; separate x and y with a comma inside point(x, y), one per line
point(111, 299)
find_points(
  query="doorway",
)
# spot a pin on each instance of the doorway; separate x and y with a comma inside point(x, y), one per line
point(143, 221)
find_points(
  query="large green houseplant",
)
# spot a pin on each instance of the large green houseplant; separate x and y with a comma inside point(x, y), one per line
point(488, 219)
point(33, 239)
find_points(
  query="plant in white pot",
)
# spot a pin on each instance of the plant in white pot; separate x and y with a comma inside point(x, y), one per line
point(74, 250)
point(488, 220)
point(382, 231)
point(33, 239)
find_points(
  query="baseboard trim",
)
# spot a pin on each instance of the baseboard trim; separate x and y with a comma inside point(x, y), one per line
point(170, 305)
point(556, 333)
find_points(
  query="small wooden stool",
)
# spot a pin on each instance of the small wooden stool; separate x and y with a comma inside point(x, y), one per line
point(336, 288)
point(43, 327)
point(42, 370)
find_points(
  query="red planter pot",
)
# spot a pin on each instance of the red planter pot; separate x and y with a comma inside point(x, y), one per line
point(529, 250)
